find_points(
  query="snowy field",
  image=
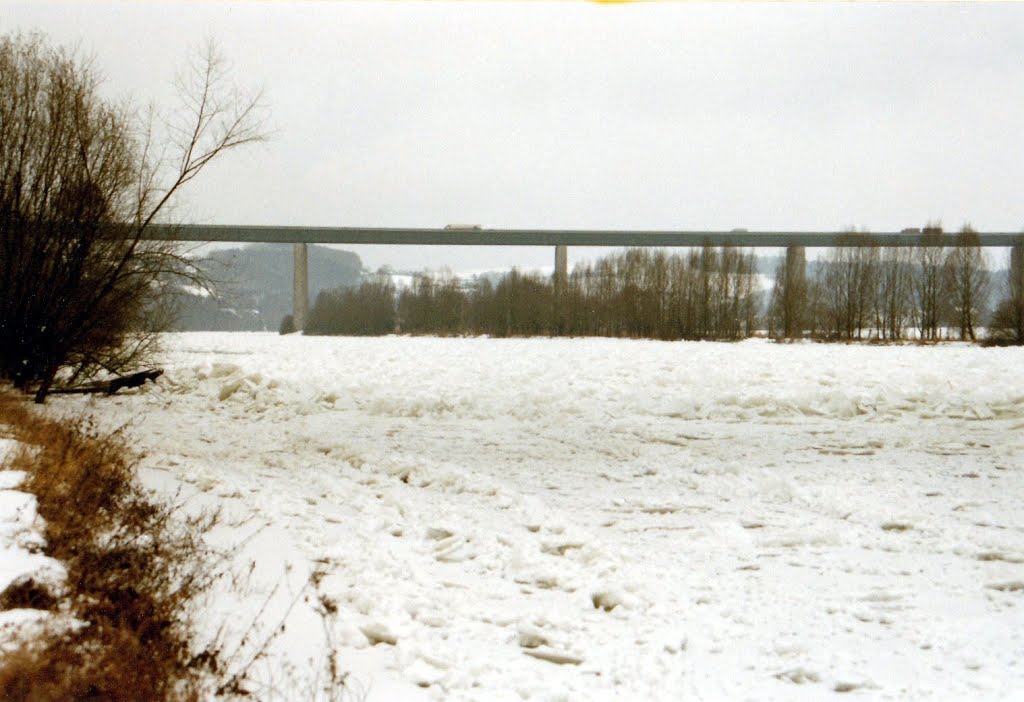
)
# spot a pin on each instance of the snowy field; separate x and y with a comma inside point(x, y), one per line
point(478, 519)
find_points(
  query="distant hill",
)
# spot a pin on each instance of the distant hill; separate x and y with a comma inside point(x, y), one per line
point(253, 286)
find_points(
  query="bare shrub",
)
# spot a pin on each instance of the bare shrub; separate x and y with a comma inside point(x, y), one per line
point(287, 325)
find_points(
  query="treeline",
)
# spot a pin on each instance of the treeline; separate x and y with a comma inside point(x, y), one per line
point(366, 310)
point(858, 290)
point(710, 293)
point(939, 289)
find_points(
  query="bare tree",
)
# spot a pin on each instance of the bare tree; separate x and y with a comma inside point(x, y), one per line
point(657, 294)
point(893, 307)
point(706, 276)
point(849, 285)
point(681, 295)
point(736, 289)
point(81, 180)
point(929, 282)
point(967, 280)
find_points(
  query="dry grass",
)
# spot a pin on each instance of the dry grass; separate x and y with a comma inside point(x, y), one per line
point(130, 573)
point(121, 631)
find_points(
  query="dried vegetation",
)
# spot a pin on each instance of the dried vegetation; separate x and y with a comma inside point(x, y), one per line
point(119, 634)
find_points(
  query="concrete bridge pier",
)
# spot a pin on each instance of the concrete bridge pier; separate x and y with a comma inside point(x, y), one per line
point(300, 287)
point(561, 265)
point(561, 280)
point(1017, 271)
point(793, 298)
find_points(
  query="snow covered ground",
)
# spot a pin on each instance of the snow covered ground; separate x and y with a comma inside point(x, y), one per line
point(479, 519)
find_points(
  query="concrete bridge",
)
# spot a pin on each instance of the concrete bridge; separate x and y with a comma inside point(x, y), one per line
point(560, 239)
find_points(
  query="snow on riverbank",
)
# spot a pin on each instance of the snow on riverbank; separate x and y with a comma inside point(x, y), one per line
point(21, 543)
point(606, 519)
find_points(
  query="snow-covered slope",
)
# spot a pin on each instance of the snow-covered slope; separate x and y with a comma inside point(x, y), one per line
point(606, 519)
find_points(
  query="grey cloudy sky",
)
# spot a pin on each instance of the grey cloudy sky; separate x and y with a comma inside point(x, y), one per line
point(572, 114)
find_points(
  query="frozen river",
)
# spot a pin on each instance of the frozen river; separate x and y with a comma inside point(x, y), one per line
point(605, 519)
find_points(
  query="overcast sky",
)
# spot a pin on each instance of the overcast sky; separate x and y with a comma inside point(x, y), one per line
point(580, 115)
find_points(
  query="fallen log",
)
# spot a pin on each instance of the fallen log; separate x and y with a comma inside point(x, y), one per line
point(111, 386)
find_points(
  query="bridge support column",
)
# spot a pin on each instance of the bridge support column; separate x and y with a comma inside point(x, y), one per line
point(1017, 272)
point(561, 279)
point(792, 293)
point(1016, 301)
point(561, 265)
point(300, 287)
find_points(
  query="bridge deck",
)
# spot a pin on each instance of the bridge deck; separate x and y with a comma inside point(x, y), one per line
point(536, 237)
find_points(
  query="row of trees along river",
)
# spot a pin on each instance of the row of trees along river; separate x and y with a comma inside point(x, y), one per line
point(858, 290)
